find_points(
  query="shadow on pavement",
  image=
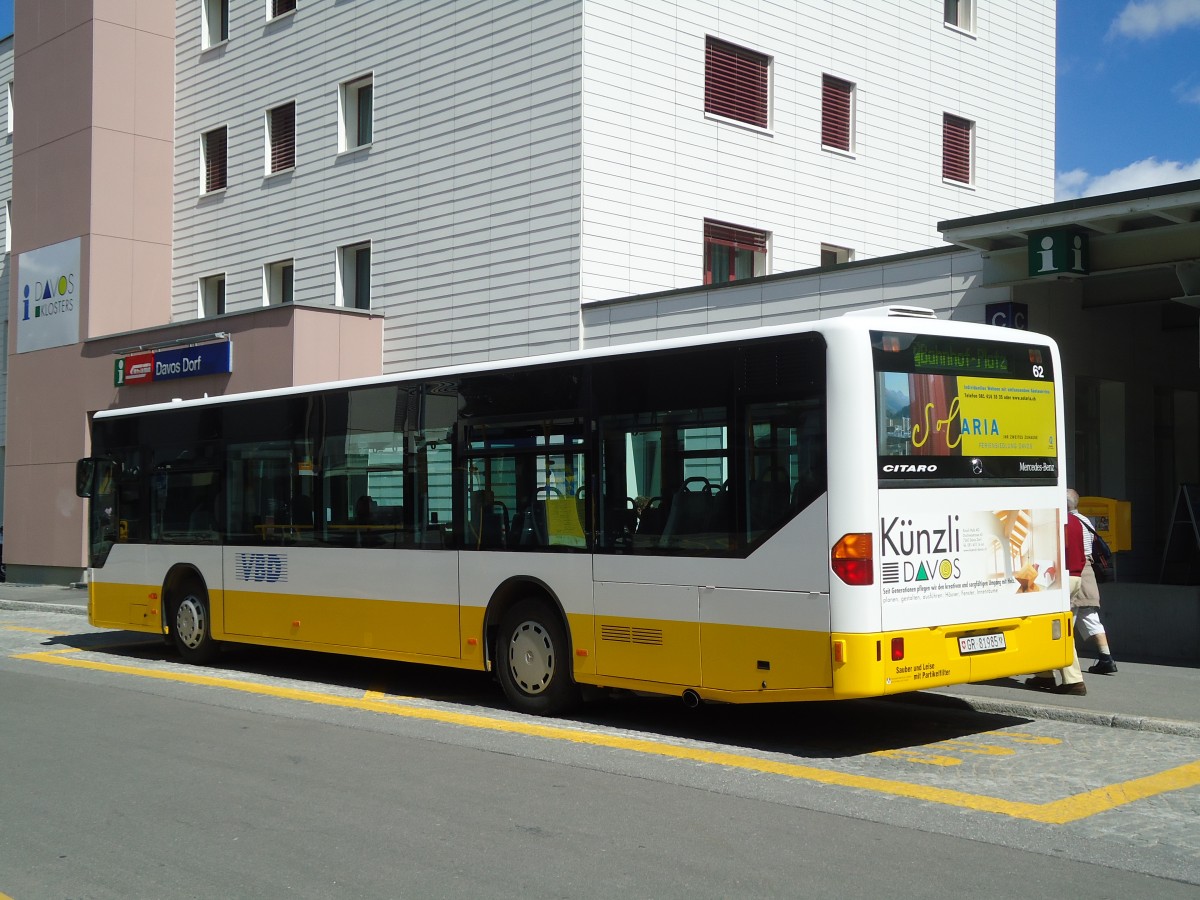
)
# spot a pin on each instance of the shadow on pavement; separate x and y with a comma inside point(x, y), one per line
point(821, 729)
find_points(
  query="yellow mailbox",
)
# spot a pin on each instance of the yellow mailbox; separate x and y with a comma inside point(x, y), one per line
point(1111, 519)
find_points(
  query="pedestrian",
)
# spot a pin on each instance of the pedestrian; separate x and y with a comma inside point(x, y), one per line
point(1072, 676)
point(1087, 612)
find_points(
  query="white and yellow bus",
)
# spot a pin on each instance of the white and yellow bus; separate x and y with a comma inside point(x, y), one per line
point(848, 507)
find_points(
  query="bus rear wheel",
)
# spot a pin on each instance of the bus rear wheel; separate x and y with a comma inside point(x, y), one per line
point(191, 624)
point(532, 661)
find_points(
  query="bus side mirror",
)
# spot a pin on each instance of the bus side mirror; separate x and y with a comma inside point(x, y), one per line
point(93, 474)
point(85, 478)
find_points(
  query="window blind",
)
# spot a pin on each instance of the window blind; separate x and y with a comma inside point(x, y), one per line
point(735, 83)
point(735, 236)
point(283, 137)
point(956, 149)
point(215, 158)
point(835, 112)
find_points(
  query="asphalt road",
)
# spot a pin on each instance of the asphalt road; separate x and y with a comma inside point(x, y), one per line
point(277, 774)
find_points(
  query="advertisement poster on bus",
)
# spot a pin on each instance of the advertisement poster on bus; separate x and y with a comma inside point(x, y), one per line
point(967, 558)
point(966, 426)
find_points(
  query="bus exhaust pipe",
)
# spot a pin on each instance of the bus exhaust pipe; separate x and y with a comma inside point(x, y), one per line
point(691, 699)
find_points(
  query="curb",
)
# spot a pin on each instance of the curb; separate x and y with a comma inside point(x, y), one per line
point(1029, 710)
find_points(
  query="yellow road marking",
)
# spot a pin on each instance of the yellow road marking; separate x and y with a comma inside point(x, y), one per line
point(1055, 812)
point(1022, 737)
point(976, 749)
point(917, 756)
point(377, 691)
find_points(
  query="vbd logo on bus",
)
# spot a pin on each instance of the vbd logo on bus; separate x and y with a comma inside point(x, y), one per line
point(263, 567)
point(925, 554)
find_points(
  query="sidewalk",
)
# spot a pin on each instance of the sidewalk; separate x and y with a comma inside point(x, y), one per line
point(1141, 697)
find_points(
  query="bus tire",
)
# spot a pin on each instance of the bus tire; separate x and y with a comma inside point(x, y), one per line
point(191, 624)
point(532, 659)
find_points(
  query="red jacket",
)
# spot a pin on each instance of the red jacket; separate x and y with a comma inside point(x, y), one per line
point(1073, 534)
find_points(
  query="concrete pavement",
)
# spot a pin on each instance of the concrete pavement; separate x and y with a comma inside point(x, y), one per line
point(1143, 697)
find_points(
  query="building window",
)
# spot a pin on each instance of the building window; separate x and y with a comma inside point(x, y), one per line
point(212, 296)
point(213, 149)
point(956, 148)
point(837, 113)
point(280, 7)
point(732, 253)
point(9, 107)
point(214, 16)
point(8, 226)
point(960, 14)
point(736, 83)
point(834, 256)
point(277, 282)
point(357, 101)
point(281, 138)
point(354, 276)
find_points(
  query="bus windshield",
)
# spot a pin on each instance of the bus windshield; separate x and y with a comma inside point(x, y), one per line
point(972, 411)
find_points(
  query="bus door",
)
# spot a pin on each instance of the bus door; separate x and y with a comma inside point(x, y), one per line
point(523, 484)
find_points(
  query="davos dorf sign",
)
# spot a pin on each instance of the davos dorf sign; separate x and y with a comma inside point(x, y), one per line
point(166, 365)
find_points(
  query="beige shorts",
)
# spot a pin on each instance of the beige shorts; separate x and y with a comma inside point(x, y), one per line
point(1087, 621)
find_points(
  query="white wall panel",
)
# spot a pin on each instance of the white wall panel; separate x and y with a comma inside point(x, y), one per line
point(474, 167)
point(530, 156)
point(888, 196)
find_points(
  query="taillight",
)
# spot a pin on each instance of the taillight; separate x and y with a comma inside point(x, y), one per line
point(897, 649)
point(852, 560)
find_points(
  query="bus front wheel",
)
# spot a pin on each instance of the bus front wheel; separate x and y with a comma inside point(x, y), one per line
point(191, 624)
point(532, 661)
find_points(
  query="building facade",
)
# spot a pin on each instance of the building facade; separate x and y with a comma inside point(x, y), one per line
point(346, 189)
point(6, 171)
point(476, 172)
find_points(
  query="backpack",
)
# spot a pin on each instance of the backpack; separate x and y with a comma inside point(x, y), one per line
point(1103, 565)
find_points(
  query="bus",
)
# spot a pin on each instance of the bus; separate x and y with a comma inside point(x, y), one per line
point(850, 507)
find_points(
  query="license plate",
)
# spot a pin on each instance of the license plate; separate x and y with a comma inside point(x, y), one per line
point(977, 643)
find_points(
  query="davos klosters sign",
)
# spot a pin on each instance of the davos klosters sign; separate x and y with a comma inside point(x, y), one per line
point(48, 297)
point(167, 365)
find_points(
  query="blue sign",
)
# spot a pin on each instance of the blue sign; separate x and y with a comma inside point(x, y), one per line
point(189, 362)
point(1008, 315)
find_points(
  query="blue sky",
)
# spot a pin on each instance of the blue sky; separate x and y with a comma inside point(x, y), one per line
point(1128, 93)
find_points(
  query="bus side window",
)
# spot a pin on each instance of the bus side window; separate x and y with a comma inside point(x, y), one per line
point(786, 465)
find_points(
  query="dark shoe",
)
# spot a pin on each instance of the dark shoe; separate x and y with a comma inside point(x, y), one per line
point(1041, 683)
point(1104, 667)
point(1078, 689)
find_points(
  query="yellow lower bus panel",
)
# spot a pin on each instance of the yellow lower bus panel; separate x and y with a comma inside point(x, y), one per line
point(949, 654)
point(730, 664)
point(131, 607)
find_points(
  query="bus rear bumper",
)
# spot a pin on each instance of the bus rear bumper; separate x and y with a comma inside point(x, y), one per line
point(916, 659)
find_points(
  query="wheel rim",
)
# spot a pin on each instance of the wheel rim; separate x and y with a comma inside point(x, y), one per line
point(531, 657)
point(190, 622)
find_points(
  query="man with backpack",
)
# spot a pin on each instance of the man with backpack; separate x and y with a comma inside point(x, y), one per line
point(1087, 603)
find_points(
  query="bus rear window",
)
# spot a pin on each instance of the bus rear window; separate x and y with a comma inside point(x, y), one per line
point(964, 410)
